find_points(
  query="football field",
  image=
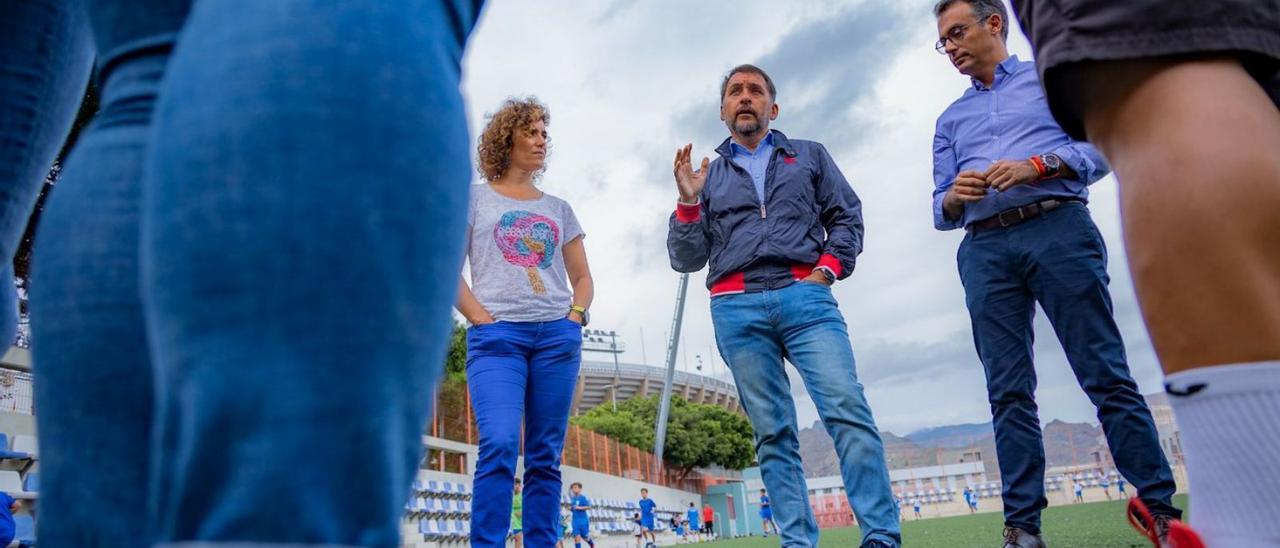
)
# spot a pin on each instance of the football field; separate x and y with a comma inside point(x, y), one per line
point(1091, 525)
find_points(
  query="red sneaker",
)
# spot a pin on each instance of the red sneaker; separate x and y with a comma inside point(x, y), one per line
point(1162, 531)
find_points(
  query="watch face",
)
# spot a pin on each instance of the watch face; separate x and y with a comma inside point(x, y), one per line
point(1052, 163)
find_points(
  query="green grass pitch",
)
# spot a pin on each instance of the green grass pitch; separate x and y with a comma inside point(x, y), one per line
point(1091, 525)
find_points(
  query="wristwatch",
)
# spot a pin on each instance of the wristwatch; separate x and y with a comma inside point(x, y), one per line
point(828, 274)
point(586, 316)
point(1052, 165)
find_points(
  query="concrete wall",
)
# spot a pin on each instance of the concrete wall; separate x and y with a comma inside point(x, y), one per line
point(15, 424)
point(732, 510)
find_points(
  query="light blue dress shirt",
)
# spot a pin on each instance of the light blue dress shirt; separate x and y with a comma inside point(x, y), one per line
point(1008, 121)
point(755, 162)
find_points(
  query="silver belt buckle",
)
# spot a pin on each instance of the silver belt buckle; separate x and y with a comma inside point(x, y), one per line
point(1022, 215)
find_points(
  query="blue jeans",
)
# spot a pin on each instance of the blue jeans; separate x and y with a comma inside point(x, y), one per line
point(1060, 261)
point(235, 295)
point(37, 108)
point(802, 323)
point(520, 371)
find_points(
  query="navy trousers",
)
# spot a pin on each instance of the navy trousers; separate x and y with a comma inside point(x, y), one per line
point(1060, 261)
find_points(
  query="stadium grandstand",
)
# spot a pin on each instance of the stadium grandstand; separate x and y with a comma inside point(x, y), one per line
point(602, 380)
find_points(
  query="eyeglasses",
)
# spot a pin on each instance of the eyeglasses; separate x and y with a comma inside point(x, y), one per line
point(955, 34)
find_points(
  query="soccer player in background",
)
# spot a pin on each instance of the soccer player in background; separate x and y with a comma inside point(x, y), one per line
point(581, 522)
point(637, 529)
point(708, 521)
point(517, 513)
point(691, 516)
point(766, 514)
point(647, 518)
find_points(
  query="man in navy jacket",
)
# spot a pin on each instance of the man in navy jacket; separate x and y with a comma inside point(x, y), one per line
point(778, 224)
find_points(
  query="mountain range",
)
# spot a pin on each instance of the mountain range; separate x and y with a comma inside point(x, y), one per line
point(1065, 443)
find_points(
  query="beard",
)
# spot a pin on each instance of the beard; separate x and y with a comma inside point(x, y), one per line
point(747, 127)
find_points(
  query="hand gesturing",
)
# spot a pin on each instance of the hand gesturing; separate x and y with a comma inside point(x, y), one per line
point(689, 182)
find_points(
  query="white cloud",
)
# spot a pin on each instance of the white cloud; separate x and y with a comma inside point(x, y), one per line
point(627, 82)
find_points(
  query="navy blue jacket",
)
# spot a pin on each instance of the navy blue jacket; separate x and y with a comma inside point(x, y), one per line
point(810, 217)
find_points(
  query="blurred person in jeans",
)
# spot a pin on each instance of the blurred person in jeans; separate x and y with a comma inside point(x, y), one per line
point(237, 281)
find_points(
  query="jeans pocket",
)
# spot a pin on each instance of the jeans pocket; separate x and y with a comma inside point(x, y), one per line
point(477, 334)
point(819, 284)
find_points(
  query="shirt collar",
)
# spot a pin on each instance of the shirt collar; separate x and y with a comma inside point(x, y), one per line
point(1005, 68)
point(739, 149)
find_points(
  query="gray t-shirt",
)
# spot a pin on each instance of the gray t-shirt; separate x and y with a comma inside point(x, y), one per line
point(515, 248)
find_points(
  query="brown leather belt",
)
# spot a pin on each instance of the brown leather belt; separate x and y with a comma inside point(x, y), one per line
point(1010, 217)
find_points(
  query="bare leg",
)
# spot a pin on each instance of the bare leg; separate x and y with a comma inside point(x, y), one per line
point(1194, 145)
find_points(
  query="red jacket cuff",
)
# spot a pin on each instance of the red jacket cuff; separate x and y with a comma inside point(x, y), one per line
point(830, 261)
point(688, 213)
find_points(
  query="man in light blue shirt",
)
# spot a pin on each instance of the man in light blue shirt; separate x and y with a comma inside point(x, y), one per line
point(756, 162)
point(1012, 178)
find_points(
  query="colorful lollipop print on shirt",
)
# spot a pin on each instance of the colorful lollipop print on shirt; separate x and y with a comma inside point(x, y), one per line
point(528, 240)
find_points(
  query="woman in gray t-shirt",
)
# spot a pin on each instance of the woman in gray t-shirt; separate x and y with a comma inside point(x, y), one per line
point(527, 302)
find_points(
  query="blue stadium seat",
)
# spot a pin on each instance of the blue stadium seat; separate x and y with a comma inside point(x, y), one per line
point(460, 530)
point(433, 487)
point(464, 491)
point(6, 453)
point(24, 530)
point(431, 530)
point(31, 483)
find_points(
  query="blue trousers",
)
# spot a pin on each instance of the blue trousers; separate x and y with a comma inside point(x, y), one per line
point(1060, 261)
point(238, 314)
point(520, 371)
point(803, 324)
point(37, 108)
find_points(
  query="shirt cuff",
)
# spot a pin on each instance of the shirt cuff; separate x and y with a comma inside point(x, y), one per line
point(1078, 163)
point(689, 213)
point(940, 220)
point(829, 263)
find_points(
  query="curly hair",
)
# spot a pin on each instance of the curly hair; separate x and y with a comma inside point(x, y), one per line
point(494, 147)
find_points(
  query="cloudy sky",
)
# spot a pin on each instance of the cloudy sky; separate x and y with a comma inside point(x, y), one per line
point(629, 81)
